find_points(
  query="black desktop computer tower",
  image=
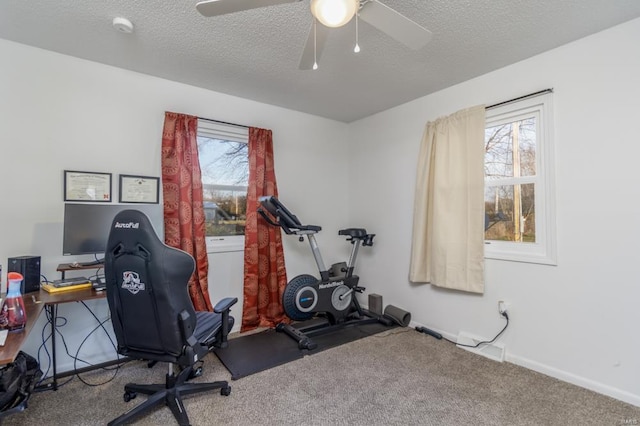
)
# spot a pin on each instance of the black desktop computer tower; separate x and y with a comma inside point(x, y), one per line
point(29, 268)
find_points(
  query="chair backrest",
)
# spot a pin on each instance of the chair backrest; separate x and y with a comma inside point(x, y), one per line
point(147, 290)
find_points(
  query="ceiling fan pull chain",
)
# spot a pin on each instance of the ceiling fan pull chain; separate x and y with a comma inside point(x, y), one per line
point(333, 14)
point(315, 45)
point(356, 49)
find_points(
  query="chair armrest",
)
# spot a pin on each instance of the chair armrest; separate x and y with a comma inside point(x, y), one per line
point(225, 304)
point(222, 307)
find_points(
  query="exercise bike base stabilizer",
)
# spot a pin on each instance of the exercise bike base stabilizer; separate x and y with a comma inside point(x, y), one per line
point(332, 297)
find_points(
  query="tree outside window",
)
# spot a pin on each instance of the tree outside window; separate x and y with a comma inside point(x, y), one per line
point(510, 163)
point(518, 182)
point(224, 164)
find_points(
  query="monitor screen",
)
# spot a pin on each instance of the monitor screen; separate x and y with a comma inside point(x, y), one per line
point(86, 226)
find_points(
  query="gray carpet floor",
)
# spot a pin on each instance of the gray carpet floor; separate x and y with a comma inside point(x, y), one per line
point(399, 377)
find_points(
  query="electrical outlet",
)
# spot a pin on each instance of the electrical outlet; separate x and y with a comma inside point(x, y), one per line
point(502, 307)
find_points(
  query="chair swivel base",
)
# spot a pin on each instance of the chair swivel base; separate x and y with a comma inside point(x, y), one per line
point(169, 394)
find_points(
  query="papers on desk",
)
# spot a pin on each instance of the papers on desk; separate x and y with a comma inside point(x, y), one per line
point(54, 289)
point(3, 336)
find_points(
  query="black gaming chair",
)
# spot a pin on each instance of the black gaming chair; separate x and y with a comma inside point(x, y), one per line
point(153, 317)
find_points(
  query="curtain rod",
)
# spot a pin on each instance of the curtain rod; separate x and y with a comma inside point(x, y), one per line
point(223, 122)
point(530, 95)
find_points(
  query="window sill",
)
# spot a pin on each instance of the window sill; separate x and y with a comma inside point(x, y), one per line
point(533, 253)
point(225, 244)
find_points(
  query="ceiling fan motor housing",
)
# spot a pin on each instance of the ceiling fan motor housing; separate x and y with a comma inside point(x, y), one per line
point(334, 13)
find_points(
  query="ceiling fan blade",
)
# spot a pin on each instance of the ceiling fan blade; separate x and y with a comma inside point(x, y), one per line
point(307, 59)
point(222, 7)
point(395, 25)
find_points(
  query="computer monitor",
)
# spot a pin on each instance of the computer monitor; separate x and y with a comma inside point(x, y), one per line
point(86, 226)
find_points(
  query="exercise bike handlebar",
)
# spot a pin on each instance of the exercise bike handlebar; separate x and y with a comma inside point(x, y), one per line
point(358, 234)
point(276, 214)
point(368, 240)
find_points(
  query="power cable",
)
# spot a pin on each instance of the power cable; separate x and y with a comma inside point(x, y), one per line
point(439, 336)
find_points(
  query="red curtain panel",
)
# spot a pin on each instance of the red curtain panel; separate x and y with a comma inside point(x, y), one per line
point(184, 224)
point(264, 270)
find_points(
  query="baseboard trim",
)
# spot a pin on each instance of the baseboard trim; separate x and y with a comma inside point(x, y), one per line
point(592, 385)
point(493, 351)
point(556, 373)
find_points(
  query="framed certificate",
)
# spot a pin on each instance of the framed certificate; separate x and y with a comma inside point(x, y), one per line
point(139, 189)
point(87, 186)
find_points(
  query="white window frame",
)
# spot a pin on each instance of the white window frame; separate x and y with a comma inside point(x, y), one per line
point(543, 250)
point(229, 132)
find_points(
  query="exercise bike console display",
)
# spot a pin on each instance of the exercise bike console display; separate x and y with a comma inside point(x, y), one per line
point(332, 296)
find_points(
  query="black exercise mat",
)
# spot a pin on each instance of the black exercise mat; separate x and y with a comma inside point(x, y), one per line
point(257, 352)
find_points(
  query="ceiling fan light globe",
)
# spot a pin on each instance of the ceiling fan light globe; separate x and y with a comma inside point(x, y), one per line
point(334, 13)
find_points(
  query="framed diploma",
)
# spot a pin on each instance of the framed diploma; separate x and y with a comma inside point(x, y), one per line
point(87, 186)
point(139, 189)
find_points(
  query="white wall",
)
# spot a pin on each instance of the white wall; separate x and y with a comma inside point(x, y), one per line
point(59, 112)
point(576, 321)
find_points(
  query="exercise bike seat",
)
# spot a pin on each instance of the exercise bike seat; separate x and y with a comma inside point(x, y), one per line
point(353, 232)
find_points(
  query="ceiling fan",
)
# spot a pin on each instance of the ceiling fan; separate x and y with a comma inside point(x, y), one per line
point(331, 14)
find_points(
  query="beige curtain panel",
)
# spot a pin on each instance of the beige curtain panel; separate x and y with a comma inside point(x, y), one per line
point(448, 216)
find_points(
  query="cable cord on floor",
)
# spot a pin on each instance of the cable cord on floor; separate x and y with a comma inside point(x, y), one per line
point(61, 322)
point(438, 336)
point(43, 345)
point(76, 358)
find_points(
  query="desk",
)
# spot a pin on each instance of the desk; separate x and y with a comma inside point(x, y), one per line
point(66, 267)
point(12, 345)
point(14, 341)
point(49, 302)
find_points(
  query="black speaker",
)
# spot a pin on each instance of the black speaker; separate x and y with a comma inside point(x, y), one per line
point(29, 268)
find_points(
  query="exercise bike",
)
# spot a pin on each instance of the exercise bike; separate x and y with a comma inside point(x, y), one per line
point(332, 297)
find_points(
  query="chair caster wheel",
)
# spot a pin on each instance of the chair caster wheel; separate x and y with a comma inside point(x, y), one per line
point(197, 372)
point(128, 396)
point(225, 391)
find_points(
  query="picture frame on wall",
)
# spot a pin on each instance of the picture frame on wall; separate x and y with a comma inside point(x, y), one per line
point(87, 186)
point(139, 189)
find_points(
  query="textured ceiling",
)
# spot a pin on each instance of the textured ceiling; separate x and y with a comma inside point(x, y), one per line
point(255, 54)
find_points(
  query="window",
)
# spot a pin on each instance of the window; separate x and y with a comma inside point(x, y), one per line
point(224, 162)
point(518, 193)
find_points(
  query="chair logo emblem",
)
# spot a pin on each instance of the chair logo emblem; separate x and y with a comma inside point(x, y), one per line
point(129, 225)
point(131, 282)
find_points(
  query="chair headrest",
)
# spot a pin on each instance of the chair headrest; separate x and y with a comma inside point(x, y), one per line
point(132, 226)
